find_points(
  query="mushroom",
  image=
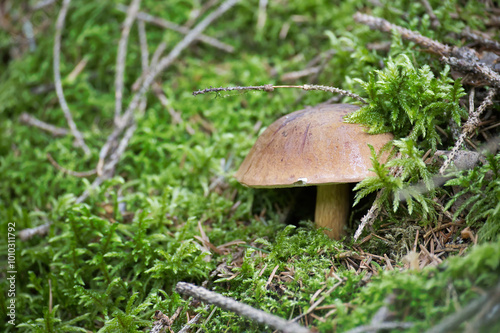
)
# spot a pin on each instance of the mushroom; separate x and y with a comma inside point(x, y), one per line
point(314, 147)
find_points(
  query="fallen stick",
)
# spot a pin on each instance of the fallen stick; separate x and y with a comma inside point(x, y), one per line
point(57, 79)
point(178, 28)
point(241, 309)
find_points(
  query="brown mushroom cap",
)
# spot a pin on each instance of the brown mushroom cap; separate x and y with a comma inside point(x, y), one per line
point(311, 147)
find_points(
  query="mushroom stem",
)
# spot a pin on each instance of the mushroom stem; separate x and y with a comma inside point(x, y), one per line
point(332, 209)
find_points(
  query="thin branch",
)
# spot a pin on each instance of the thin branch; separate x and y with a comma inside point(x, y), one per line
point(453, 321)
point(270, 88)
point(175, 27)
point(262, 14)
point(98, 181)
point(57, 78)
point(32, 121)
point(70, 172)
point(164, 63)
point(154, 61)
point(109, 168)
point(381, 326)
point(468, 128)
point(385, 26)
point(241, 309)
point(369, 217)
point(141, 28)
point(319, 301)
point(374, 210)
point(461, 59)
point(41, 230)
point(42, 3)
point(193, 321)
point(484, 41)
point(489, 75)
point(120, 59)
point(428, 8)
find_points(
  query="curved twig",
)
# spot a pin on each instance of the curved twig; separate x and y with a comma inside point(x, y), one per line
point(57, 78)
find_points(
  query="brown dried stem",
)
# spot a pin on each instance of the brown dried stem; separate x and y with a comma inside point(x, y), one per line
point(193, 321)
point(472, 66)
point(461, 59)
point(241, 309)
point(57, 79)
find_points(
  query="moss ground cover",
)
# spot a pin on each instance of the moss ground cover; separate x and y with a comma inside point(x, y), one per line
point(172, 211)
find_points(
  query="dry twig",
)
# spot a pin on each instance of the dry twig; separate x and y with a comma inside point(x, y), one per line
point(428, 8)
point(175, 27)
point(81, 174)
point(127, 118)
point(57, 79)
point(468, 128)
point(193, 321)
point(120, 58)
point(270, 88)
point(241, 309)
point(487, 301)
point(32, 121)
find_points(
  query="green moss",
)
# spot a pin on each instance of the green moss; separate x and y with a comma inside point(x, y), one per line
point(109, 263)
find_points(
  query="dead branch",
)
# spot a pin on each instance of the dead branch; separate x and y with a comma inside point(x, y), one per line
point(468, 128)
point(175, 27)
point(462, 59)
point(41, 4)
point(319, 301)
point(381, 326)
point(270, 88)
point(486, 73)
point(127, 118)
point(120, 59)
point(241, 309)
point(428, 8)
point(163, 322)
point(262, 15)
point(193, 321)
point(478, 38)
point(27, 234)
point(57, 79)
point(143, 40)
point(385, 26)
point(70, 172)
point(32, 121)
point(453, 321)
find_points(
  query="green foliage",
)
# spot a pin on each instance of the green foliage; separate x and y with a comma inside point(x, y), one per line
point(481, 188)
point(399, 188)
point(409, 102)
point(109, 263)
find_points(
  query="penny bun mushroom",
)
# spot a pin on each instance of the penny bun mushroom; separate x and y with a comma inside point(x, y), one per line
point(314, 147)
